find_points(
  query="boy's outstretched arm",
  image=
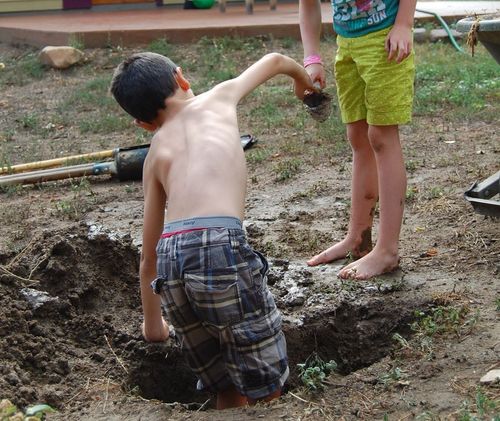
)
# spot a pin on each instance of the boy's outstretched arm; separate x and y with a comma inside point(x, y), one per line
point(268, 66)
point(399, 41)
point(154, 327)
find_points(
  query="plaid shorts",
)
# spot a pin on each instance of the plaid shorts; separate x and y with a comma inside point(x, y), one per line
point(214, 288)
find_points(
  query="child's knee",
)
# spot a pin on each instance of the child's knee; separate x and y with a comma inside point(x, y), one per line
point(381, 137)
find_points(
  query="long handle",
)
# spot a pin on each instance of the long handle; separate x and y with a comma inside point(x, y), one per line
point(49, 163)
point(58, 173)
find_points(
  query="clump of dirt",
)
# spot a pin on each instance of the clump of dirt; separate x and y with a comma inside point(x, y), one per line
point(318, 105)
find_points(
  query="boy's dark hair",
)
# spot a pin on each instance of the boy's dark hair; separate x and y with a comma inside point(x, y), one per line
point(142, 82)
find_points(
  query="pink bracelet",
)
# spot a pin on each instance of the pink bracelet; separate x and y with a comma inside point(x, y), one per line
point(312, 59)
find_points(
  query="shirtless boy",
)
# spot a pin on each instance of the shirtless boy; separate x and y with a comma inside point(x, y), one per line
point(214, 286)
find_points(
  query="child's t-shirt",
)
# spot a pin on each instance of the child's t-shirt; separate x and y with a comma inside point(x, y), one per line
point(353, 18)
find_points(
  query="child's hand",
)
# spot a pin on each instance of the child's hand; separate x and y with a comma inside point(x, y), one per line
point(303, 85)
point(399, 43)
point(317, 74)
point(156, 334)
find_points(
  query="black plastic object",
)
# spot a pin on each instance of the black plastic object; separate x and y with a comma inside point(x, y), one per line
point(480, 196)
point(129, 161)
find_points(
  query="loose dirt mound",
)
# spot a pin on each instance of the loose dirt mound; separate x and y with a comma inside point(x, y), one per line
point(72, 301)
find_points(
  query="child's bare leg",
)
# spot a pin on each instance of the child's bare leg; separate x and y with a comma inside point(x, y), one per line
point(392, 189)
point(364, 193)
point(230, 398)
point(268, 398)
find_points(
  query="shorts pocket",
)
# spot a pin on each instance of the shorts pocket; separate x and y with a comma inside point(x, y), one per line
point(252, 332)
point(215, 296)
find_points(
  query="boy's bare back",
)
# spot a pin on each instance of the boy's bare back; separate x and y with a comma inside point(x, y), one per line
point(198, 159)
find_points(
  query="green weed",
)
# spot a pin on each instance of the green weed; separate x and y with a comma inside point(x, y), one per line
point(76, 41)
point(313, 372)
point(444, 320)
point(80, 201)
point(287, 169)
point(411, 193)
point(29, 121)
point(394, 375)
point(434, 193)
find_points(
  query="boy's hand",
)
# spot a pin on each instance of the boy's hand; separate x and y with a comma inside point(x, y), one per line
point(303, 85)
point(157, 334)
point(399, 43)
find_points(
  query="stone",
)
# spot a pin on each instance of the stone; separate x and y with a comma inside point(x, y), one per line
point(60, 57)
point(441, 35)
point(491, 376)
point(420, 35)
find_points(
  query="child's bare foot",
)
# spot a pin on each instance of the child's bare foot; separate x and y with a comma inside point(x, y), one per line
point(373, 264)
point(356, 247)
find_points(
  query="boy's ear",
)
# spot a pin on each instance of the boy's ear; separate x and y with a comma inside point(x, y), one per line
point(181, 80)
point(150, 127)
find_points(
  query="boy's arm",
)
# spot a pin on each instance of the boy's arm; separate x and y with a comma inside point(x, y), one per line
point(399, 41)
point(310, 32)
point(268, 66)
point(154, 327)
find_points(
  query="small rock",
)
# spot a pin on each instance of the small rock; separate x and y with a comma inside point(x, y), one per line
point(60, 57)
point(37, 298)
point(491, 376)
point(441, 35)
point(420, 35)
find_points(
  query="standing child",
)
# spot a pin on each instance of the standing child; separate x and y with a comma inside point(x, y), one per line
point(214, 286)
point(374, 71)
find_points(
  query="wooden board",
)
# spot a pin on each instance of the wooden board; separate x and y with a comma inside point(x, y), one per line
point(29, 5)
point(99, 2)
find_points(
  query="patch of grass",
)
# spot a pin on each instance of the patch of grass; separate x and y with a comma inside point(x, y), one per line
point(81, 200)
point(257, 155)
point(457, 85)
point(91, 96)
point(274, 105)
point(22, 70)
point(318, 189)
point(287, 169)
point(161, 46)
point(104, 124)
point(483, 407)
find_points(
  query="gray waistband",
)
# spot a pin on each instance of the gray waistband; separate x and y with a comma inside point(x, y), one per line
point(203, 222)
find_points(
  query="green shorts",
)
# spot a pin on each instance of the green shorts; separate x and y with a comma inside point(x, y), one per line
point(368, 86)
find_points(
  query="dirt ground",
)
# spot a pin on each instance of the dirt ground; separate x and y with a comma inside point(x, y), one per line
point(409, 345)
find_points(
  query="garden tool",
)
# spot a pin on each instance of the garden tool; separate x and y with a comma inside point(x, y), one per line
point(126, 165)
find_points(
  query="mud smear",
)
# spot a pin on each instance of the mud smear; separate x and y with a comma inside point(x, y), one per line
point(71, 316)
